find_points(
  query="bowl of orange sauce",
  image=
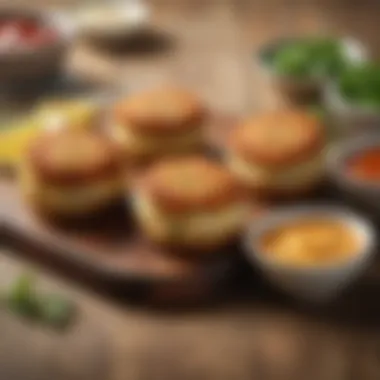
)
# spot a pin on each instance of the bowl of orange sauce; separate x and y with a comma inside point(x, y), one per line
point(354, 169)
point(311, 252)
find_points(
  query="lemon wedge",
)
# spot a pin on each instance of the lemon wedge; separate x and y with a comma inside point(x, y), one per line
point(66, 113)
point(14, 140)
point(49, 115)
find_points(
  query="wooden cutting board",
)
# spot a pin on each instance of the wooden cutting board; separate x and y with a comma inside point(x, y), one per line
point(113, 253)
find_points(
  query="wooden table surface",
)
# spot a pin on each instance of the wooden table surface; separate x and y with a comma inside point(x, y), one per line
point(211, 46)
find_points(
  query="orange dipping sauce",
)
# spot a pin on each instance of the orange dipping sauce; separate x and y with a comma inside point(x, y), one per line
point(311, 242)
point(366, 165)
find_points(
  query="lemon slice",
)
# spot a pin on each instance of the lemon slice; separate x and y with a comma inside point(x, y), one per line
point(14, 140)
point(66, 113)
point(49, 115)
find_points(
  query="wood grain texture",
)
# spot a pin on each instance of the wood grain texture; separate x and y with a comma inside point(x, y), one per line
point(30, 351)
point(264, 340)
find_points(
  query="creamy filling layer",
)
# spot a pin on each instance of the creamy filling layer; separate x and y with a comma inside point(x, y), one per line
point(205, 227)
point(71, 199)
point(284, 178)
point(140, 144)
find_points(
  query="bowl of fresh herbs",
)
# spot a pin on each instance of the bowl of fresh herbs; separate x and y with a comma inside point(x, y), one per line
point(352, 99)
point(300, 67)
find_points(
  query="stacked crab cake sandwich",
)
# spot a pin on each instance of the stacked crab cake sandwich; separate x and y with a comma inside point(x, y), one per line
point(190, 202)
point(278, 153)
point(72, 173)
point(160, 122)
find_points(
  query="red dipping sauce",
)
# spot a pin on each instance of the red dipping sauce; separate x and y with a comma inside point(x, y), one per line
point(22, 33)
point(365, 166)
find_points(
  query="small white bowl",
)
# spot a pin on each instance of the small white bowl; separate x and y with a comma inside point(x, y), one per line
point(363, 193)
point(94, 21)
point(304, 90)
point(35, 63)
point(317, 283)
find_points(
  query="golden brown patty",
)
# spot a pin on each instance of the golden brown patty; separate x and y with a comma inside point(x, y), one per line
point(277, 138)
point(191, 184)
point(163, 111)
point(73, 157)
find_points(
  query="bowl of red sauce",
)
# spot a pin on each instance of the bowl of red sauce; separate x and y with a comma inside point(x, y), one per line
point(354, 166)
point(32, 44)
point(365, 166)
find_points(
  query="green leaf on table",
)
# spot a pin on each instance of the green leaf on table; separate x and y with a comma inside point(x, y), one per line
point(52, 310)
point(56, 310)
point(22, 297)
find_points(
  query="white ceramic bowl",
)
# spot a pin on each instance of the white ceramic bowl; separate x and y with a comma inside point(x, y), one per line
point(363, 193)
point(95, 21)
point(317, 283)
point(308, 89)
point(36, 63)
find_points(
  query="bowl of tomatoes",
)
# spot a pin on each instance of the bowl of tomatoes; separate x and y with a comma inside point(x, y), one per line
point(32, 45)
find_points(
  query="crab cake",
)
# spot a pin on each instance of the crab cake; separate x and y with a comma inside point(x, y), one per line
point(278, 153)
point(190, 202)
point(72, 172)
point(160, 122)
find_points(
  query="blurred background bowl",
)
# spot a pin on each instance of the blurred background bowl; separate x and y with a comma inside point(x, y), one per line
point(363, 194)
point(348, 119)
point(304, 90)
point(310, 283)
point(112, 22)
point(35, 63)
